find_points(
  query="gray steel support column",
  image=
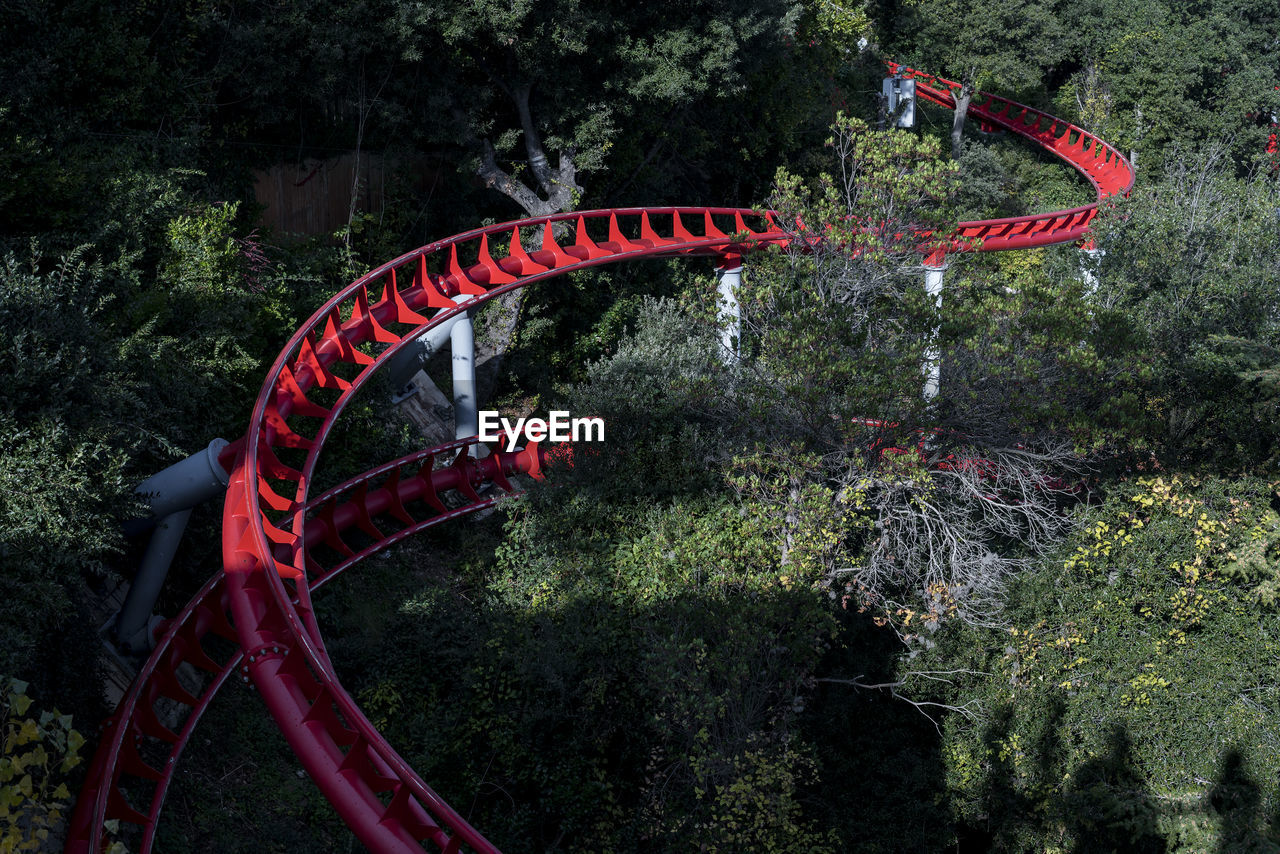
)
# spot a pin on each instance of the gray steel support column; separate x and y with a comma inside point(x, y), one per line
point(172, 493)
point(730, 314)
point(186, 483)
point(406, 363)
point(932, 368)
point(133, 623)
point(466, 408)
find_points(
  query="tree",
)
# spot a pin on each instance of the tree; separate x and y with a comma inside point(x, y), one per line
point(1008, 45)
point(916, 501)
point(1128, 669)
point(1192, 268)
point(1149, 76)
point(529, 97)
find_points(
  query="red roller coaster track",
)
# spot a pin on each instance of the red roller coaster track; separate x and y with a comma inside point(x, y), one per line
point(279, 544)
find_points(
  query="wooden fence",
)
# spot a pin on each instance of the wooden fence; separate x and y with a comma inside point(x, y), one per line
point(316, 196)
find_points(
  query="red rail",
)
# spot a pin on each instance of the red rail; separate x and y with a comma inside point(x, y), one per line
point(407, 495)
point(1107, 169)
point(275, 538)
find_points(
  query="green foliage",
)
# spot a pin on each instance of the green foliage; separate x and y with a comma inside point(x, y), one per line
point(38, 754)
point(1025, 354)
point(1189, 275)
point(855, 458)
point(611, 87)
point(1255, 561)
point(842, 22)
point(630, 694)
point(1130, 703)
point(572, 322)
point(841, 325)
point(660, 653)
point(1146, 76)
point(119, 358)
point(201, 254)
point(1002, 45)
point(217, 803)
point(59, 468)
point(1006, 177)
point(1161, 76)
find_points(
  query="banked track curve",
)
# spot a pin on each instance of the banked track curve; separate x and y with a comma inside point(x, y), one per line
point(279, 544)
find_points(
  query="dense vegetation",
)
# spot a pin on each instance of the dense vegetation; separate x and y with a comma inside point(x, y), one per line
point(749, 624)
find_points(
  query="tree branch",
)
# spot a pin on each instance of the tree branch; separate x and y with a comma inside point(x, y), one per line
point(496, 179)
point(538, 163)
point(966, 709)
point(567, 189)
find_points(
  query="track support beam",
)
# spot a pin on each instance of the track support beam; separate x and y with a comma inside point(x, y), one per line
point(729, 279)
point(934, 269)
point(466, 408)
point(172, 494)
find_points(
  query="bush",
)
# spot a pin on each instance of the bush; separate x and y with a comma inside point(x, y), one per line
point(34, 772)
point(1131, 702)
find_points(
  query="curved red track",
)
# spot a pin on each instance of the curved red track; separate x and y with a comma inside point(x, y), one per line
point(279, 544)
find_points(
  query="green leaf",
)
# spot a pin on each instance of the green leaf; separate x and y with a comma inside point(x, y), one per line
point(29, 732)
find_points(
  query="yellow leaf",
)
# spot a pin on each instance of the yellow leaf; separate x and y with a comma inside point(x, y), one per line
point(29, 732)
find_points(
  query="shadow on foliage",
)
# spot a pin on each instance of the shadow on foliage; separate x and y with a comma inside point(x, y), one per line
point(882, 777)
point(592, 722)
point(1107, 807)
point(1014, 790)
point(1237, 800)
point(1029, 800)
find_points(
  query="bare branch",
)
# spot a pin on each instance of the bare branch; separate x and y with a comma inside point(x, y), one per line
point(970, 710)
point(495, 178)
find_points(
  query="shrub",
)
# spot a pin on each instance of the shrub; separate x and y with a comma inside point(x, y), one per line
point(1131, 701)
point(38, 755)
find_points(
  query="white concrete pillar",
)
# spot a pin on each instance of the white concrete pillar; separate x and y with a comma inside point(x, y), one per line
point(729, 279)
point(934, 269)
point(466, 408)
point(1090, 261)
point(409, 359)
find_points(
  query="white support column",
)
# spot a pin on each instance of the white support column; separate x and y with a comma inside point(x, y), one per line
point(406, 363)
point(729, 279)
point(1090, 260)
point(466, 409)
point(934, 269)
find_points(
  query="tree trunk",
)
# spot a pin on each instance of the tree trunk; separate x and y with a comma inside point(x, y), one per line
point(559, 193)
point(963, 96)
